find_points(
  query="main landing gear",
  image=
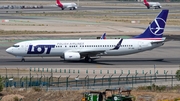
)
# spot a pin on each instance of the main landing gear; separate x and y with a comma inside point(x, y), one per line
point(22, 60)
point(88, 59)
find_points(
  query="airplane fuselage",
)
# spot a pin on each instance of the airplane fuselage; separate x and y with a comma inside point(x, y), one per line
point(43, 48)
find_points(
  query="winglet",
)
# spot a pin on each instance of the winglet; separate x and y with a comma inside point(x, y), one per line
point(146, 4)
point(156, 28)
point(118, 45)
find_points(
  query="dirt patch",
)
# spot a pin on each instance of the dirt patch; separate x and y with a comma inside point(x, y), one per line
point(11, 97)
point(32, 95)
point(155, 96)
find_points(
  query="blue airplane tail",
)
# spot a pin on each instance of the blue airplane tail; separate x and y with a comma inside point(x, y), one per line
point(156, 28)
point(103, 36)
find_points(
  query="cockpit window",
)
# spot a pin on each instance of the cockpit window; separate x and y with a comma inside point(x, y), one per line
point(15, 45)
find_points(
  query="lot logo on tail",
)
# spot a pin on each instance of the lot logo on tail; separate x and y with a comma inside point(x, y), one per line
point(157, 26)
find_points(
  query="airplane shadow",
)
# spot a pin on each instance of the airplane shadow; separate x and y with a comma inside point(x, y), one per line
point(100, 62)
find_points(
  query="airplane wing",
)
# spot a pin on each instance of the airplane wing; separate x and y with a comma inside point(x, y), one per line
point(96, 52)
point(92, 52)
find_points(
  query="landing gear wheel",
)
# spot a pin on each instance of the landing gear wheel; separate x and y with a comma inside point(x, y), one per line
point(88, 59)
point(22, 60)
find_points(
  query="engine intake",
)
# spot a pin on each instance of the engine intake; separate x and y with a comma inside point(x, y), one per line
point(71, 56)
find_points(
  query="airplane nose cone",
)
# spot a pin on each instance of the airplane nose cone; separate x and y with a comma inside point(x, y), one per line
point(8, 50)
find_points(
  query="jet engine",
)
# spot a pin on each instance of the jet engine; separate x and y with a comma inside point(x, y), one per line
point(71, 56)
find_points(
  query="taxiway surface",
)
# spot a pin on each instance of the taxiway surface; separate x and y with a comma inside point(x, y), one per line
point(169, 54)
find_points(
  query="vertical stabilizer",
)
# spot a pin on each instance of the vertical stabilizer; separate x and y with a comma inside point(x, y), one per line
point(103, 36)
point(59, 3)
point(156, 28)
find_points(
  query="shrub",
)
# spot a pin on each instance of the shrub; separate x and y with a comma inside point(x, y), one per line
point(178, 74)
point(37, 89)
point(16, 98)
point(1, 84)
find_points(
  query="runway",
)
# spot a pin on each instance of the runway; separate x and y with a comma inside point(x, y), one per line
point(169, 54)
point(102, 61)
point(137, 10)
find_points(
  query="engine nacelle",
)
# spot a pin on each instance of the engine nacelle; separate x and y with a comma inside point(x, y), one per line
point(71, 56)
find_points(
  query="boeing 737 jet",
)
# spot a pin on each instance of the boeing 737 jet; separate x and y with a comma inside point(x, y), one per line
point(152, 4)
point(70, 6)
point(74, 50)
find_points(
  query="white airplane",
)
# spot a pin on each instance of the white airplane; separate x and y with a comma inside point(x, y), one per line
point(71, 6)
point(73, 50)
point(152, 4)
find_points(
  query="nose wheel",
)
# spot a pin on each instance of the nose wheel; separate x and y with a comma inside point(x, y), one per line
point(22, 60)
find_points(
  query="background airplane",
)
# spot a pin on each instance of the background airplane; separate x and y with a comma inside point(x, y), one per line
point(70, 6)
point(74, 50)
point(103, 36)
point(21, 7)
point(152, 4)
